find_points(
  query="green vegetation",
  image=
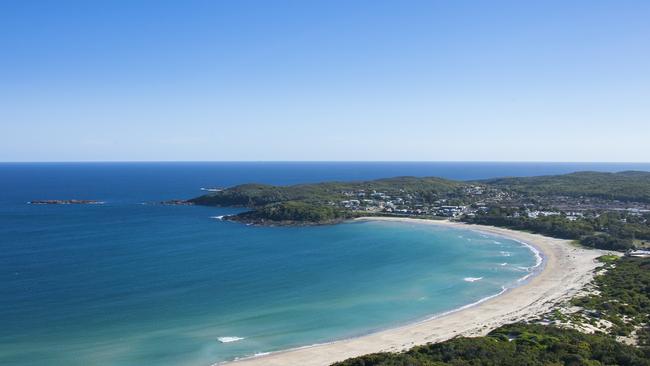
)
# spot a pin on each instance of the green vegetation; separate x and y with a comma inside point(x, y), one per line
point(623, 297)
point(608, 258)
point(610, 230)
point(516, 345)
point(623, 186)
point(295, 212)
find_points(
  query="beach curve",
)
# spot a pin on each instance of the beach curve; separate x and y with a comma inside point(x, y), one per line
point(566, 269)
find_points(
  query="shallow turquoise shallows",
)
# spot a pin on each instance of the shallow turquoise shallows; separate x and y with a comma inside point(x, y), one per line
point(132, 284)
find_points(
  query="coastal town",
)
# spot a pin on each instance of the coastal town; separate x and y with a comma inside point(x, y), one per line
point(477, 199)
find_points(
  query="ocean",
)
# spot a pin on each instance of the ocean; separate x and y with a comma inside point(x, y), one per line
point(127, 283)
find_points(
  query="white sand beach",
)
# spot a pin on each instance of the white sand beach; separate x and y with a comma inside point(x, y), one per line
point(566, 270)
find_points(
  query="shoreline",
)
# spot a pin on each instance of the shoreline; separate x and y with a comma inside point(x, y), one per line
point(565, 269)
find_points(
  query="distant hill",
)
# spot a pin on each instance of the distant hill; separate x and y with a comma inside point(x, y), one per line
point(255, 195)
point(623, 186)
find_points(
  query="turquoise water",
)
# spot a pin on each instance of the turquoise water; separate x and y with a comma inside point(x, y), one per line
point(131, 284)
point(127, 292)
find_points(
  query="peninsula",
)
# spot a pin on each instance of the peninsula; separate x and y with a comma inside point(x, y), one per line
point(601, 210)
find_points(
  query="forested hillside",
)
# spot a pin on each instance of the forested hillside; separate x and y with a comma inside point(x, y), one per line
point(624, 186)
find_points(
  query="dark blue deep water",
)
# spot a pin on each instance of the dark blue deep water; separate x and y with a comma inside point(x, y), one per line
point(130, 284)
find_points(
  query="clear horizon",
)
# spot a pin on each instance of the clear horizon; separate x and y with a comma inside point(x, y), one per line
point(455, 81)
point(331, 161)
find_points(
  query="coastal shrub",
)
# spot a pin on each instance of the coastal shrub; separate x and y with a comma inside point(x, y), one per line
point(607, 242)
point(514, 345)
point(623, 293)
point(608, 258)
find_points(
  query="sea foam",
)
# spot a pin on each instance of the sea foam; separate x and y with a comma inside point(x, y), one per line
point(525, 277)
point(472, 279)
point(229, 339)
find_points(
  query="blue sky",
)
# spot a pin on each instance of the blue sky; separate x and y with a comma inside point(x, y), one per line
point(330, 80)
